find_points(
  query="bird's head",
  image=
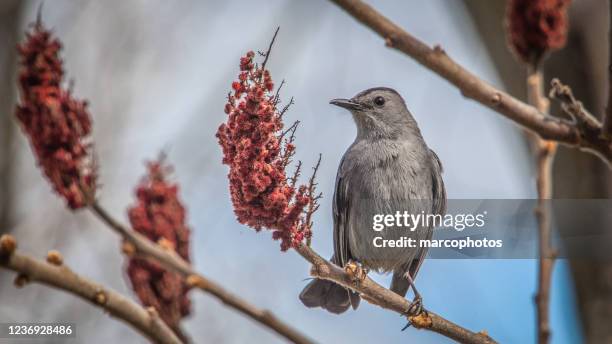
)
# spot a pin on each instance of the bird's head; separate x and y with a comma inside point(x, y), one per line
point(380, 112)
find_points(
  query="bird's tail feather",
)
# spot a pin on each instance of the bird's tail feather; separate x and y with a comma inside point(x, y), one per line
point(329, 296)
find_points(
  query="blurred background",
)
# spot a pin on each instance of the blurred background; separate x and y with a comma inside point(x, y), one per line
point(156, 74)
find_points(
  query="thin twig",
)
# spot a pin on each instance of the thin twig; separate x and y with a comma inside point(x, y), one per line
point(142, 246)
point(545, 154)
point(53, 273)
point(288, 148)
point(276, 99)
point(285, 108)
point(267, 53)
point(39, 14)
point(547, 127)
point(572, 106)
point(313, 206)
point(296, 174)
point(314, 197)
point(385, 298)
point(292, 128)
point(607, 121)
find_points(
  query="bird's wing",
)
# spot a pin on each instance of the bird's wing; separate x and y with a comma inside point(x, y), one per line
point(438, 193)
point(341, 210)
point(437, 185)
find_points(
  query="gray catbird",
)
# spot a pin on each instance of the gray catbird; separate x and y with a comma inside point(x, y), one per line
point(388, 168)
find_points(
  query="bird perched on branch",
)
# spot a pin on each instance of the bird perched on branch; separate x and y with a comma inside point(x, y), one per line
point(388, 168)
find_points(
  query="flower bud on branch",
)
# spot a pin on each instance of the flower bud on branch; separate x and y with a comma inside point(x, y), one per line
point(57, 125)
point(159, 215)
point(258, 151)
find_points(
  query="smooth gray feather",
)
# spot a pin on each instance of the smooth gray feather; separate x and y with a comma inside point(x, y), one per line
point(399, 284)
point(388, 168)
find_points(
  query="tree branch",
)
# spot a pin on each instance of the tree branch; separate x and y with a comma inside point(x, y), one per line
point(573, 107)
point(142, 246)
point(369, 289)
point(545, 154)
point(607, 121)
point(385, 298)
point(53, 273)
point(545, 158)
point(547, 127)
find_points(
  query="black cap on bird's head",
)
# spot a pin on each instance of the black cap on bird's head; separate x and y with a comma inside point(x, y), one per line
point(380, 112)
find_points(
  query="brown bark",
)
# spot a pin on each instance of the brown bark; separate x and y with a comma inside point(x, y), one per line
point(607, 122)
point(54, 274)
point(545, 153)
point(580, 64)
point(370, 290)
point(436, 59)
point(137, 244)
point(9, 13)
point(353, 277)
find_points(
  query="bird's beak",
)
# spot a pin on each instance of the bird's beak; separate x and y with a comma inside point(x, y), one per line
point(346, 103)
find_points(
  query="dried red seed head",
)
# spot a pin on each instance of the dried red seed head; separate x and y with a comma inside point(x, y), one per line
point(257, 155)
point(160, 216)
point(535, 27)
point(57, 124)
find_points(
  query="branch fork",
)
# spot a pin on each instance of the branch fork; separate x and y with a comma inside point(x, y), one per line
point(572, 106)
point(471, 86)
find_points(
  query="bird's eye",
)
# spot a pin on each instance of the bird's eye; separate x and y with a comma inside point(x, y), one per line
point(379, 101)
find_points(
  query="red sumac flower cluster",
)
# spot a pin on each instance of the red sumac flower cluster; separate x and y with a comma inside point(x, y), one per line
point(536, 27)
point(159, 215)
point(257, 152)
point(57, 125)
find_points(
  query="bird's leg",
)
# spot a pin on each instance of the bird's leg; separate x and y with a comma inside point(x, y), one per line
point(355, 271)
point(416, 306)
point(417, 295)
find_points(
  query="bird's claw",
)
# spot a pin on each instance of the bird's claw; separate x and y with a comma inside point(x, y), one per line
point(415, 309)
point(416, 306)
point(355, 271)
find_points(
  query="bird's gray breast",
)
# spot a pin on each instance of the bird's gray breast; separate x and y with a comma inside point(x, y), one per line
point(382, 178)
